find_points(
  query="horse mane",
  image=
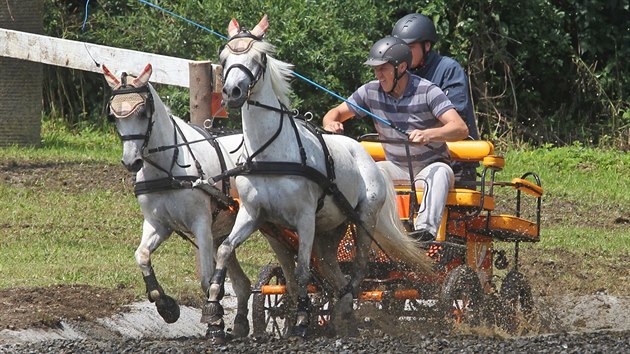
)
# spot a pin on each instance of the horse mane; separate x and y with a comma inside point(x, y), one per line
point(279, 72)
point(157, 100)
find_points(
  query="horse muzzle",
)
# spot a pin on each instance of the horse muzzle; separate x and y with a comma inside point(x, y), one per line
point(235, 97)
point(134, 166)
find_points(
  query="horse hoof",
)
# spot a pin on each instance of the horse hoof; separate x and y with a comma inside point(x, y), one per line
point(167, 308)
point(299, 332)
point(241, 326)
point(216, 336)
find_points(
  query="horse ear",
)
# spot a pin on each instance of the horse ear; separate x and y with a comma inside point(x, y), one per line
point(261, 27)
point(233, 28)
point(112, 81)
point(143, 78)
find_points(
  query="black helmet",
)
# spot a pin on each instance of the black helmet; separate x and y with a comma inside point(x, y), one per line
point(415, 28)
point(389, 50)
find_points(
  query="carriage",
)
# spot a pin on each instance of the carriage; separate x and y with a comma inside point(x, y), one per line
point(469, 267)
point(353, 246)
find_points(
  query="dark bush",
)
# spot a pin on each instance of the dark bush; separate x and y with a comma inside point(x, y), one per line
point(541, 72)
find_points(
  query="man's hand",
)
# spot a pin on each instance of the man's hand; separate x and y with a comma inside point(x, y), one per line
point(334, 127)
point(420, 137)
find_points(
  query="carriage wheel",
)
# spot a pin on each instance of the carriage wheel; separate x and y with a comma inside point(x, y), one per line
point(269, 311)
point(462, 297)
point(518, 300)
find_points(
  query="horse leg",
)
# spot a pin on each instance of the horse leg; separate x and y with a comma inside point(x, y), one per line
point(212, 312)
point(362, 242)
point(306, 231)
point(286, 258)
point(243, 289)
point(240, 281)
point(152, 238)
point(326, 246)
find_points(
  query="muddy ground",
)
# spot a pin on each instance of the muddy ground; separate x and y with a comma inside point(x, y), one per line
point(576, 278)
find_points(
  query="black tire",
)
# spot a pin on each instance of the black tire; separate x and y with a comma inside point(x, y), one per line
point(462, 297)
point(269, 312)
point(517, 293)
point(517, 298)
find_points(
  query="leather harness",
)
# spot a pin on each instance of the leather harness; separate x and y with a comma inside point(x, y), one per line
point(326, 182)
point(171, 182)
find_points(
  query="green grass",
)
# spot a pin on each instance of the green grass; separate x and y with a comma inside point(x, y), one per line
point(586, 190)
point(587, 239)
point(59, 144)
point(596, 177)
point(58, 237)
point(55, 237)
point(64, 238)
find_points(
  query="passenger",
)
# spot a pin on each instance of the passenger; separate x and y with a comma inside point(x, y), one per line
point(418, 31)
point(417, 107)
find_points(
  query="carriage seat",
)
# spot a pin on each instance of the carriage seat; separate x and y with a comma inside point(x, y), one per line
point(501, 227)
point(457, 198)
point(465, 150)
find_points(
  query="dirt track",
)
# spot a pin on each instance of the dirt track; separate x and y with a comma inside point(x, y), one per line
point(597, 323)
point(568, 297)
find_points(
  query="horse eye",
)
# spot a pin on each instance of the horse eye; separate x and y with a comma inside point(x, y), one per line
point(142, 111)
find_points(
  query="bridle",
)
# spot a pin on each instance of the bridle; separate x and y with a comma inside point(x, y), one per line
point(241, 44)
point(149, 109)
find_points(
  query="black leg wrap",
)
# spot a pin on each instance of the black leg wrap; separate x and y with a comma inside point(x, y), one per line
point(152, 284)
point(219, 276)
point(302, 304)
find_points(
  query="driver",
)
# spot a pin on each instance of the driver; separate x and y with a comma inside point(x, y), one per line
point(419, 108)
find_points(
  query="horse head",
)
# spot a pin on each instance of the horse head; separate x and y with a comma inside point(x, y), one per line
point(246, 59)
point(131, 108)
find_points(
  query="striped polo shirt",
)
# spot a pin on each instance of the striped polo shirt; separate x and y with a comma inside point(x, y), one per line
point(418, 108)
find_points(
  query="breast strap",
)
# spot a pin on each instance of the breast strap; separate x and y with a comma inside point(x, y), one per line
point(326, 182)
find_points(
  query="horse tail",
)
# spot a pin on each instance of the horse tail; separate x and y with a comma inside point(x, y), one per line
point(392, 236)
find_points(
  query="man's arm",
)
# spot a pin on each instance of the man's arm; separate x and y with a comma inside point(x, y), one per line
point(333, 120)
point(453, 128)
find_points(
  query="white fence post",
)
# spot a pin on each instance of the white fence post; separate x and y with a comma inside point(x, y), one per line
point(88, 57)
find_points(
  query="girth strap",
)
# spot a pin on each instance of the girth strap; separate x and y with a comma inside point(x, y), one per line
point(279, 168)
point(164, 184)
point(185, 182)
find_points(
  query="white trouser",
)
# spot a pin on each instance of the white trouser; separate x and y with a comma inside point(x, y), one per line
point(439, 179)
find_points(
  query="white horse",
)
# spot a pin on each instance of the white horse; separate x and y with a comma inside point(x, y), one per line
point(168, 155)
point(311, 183)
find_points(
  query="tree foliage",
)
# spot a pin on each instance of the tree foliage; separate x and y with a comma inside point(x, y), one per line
point(541, 71)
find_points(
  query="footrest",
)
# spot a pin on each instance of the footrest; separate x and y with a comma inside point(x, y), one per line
point(505, 228)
